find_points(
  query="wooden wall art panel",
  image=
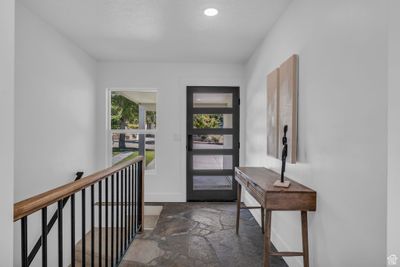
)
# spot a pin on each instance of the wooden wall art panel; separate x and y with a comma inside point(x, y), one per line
point(288, 90)
point(272, 113)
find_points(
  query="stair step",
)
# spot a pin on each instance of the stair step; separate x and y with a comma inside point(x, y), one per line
point(78, 247)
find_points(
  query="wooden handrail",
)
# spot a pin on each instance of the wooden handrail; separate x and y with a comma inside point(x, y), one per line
point(35, 203)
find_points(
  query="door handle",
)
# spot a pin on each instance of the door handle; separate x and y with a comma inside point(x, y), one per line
point(189, 143)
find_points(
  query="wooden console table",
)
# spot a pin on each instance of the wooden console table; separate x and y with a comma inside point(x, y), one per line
point(259, 182)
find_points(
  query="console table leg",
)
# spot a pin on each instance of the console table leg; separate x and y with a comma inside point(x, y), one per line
point(304, 231)
point(267, 239)
point(262, 220)
point(239, 195)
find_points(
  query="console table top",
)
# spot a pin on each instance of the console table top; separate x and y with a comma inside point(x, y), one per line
point(265, 179)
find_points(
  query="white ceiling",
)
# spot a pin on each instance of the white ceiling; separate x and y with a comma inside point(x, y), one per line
point(162, 30)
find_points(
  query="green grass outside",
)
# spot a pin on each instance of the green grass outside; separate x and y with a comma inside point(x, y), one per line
point(149, 156)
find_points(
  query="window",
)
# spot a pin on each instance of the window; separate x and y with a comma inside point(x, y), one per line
point(133, 126)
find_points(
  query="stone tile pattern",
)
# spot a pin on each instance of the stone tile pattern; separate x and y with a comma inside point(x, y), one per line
point(200, 234)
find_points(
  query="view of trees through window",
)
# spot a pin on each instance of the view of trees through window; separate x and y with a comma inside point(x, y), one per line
point(125, 114)
point(202, 121)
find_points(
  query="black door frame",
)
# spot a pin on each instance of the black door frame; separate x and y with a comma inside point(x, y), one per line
point(212, 195)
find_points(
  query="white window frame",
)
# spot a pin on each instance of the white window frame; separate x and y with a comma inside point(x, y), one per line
point(110, 131)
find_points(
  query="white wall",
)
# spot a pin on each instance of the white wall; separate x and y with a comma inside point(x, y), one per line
point(393, 242)
point(55, 107)
point(7, 133)
point(54, 111)
point(170, 79)
point(342, 149)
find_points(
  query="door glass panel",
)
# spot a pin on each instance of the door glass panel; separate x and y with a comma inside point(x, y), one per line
point(212, 162)
point(212, 121)
point(212, 182)
point(212, 100)
point(212, 141)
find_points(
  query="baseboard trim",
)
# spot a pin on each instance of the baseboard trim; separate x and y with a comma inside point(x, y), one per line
point(165, 197)
point(281, 245)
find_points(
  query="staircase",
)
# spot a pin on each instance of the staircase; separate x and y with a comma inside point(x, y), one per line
point(110, 200)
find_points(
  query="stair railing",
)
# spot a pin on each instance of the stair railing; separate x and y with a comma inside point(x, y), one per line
point(123, 203)
point(50, 225)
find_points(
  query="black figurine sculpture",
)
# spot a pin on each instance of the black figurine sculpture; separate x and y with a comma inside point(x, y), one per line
point(284, 153)
point(282, 182)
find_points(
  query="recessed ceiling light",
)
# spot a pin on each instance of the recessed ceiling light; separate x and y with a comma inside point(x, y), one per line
point(211, 12)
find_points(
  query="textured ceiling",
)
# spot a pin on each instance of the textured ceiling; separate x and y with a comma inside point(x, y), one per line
point(162, 30)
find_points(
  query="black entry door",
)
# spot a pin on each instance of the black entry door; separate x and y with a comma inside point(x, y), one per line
point(212, 142)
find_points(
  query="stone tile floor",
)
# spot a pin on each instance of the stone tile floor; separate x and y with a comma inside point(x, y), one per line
point(199, 234)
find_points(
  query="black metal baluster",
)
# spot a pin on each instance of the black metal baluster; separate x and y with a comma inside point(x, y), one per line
point(106, 228)
point(100, 222)
point(133, 202)
point(121, 213)
point(72, 230)
point(92, 225)
point(129, 203)
point(112, 220)
point(125, 209)
point(83, 228)
point(135, 190)
point(44, 237)
point(136, 172)
point(117, 222)
point(140, 195)
point(60, 233)
point(24, 242)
